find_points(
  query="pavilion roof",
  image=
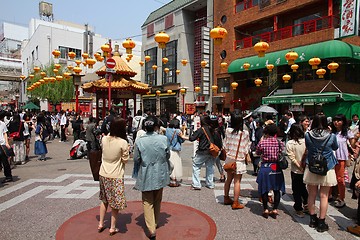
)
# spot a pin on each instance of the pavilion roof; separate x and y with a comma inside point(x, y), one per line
point(121, 68)
point(116, 84)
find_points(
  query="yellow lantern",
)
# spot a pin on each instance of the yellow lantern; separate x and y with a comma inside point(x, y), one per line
point(169, 91)
point(261, 48)
point(177, 71)
point(90, 62)
point(321, 72)
point(31, 76)
point(203, 63)
point(197, 89)
point(22, 77)
point(52, 79)
point(43, 74)
point(332, 67)
point(77, 70)
point(84, 63)
point(36, 69)
point(56, 71)
point(78, 62)
point(291, 56)
point(42, 81)
point(57, 66)
point(85, 55)
point(128, 44)
point(141, 63)
point(162, 38)
point(106, 49)
point(154, 67)
point(67, 75)
point(158, 92)
point(214, 88)
point(56, 53)
point(71, 55)
point(165, 60)
point(286, 78)
point(314, 62)
point(294, 67)
point(270, 67)
point(246, 66)
point(258, 82)
point(100, 59)
point(218, 34)
point(223, 65)
point(182, 91)
point(97, 55)
point(46, 79)
point(166, 70)
point(128, 59)
point(147, 58)
point(234, 85)
point(59, 78)
point(70, 67)
point(184, 62)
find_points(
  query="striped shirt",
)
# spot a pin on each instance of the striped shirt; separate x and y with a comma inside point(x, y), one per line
point(268, 148)
point(231, 142)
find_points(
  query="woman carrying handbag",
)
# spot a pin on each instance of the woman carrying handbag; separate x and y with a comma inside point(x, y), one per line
point(237, 145)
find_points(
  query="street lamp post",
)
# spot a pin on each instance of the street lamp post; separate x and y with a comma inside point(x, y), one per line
point(107, 52)
point(183, 92)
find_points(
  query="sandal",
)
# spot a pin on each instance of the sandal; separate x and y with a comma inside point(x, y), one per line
point(101, 228)
point(265, 214)
point(274, 214)
point(113, 231)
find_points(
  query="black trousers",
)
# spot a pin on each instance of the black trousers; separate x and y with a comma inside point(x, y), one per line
point(265, 200)
point(300, 192)
point(5, 163)
point(63, 136)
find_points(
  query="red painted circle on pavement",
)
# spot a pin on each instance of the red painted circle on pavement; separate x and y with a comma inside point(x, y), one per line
point(176, 222)
point(110, 63)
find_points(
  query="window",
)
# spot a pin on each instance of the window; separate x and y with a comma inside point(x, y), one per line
point(150, 30)
point(223, 85)
point(33, 55)
point(305, 24)
point(37, 52)
point(242, 5)
point(169, 21)
point(64, 51)
point(170, 52)
point(150, 74)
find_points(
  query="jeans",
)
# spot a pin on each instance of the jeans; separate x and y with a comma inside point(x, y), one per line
point(200, 158)
point(219, 165)
point(300, 192)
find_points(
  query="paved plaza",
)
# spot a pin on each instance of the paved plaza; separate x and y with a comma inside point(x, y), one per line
point(58, 199)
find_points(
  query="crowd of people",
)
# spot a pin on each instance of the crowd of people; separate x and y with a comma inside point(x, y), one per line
point(155, 144)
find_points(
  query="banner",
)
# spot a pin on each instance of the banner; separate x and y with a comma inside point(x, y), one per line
point(348, 24)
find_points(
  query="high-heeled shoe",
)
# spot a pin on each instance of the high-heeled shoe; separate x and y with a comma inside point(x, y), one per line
point(113, 231)
point(265, 214)
point(274, 214)
point(101, 228)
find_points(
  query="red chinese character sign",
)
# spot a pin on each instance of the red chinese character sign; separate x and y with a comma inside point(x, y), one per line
point(348, 18)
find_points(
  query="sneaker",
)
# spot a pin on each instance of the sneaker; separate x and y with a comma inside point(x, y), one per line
point(300, 214)
point(339, 203)
point(354, 230)
point(7, 180)
point(322, 226)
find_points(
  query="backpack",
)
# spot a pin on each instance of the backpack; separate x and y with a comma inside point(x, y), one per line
point(45, 133)
point(73, 151)
point(317, 162)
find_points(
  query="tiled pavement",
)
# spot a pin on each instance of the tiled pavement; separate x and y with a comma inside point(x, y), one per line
point(47, 194)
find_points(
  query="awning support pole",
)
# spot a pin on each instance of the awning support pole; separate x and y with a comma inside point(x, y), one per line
point(328, 85)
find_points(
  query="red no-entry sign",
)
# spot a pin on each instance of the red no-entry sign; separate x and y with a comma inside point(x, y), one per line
point(110, 63)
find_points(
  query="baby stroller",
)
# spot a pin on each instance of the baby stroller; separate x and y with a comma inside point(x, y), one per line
point(78, 149)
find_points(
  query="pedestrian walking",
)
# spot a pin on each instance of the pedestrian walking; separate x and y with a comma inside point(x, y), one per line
point(237, 145)
point(152, 152)
point(16, 127)
point(320, 139)
point(5, 147)
point(115, 154)
point(41, 134)
point(63, 123)
point(295, 150)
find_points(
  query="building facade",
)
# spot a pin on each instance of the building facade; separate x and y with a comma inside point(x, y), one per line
point(312, 28)
point(188, 23)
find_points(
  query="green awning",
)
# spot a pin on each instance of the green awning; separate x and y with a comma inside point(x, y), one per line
point(324, 97)
point(329, 49)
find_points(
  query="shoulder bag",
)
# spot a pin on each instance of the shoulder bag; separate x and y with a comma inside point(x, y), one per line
point(317, 162)
point(214, 150)
point(16, 135)
point(282, 161)
point(231, 166)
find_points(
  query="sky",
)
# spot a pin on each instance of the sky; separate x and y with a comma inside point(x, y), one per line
point(115, 19)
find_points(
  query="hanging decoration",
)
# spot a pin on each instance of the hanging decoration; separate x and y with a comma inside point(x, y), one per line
point(291, 56)
point(162, 38)
point(258, 82)
point(218, 34)
point(261, 48)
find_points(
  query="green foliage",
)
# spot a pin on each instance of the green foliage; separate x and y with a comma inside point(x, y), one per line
point(54, 92)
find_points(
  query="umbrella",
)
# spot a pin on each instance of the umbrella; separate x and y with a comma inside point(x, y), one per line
point(30, 106)
point(266, 109)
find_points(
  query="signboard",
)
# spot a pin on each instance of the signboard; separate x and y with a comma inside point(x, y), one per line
point(348, 18)
point(190, 108)
point(110, 70)
point(110, 63)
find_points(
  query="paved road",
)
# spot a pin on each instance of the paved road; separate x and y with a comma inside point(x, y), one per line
point(46, 194)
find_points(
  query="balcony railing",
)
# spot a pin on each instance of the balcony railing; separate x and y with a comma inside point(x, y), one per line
point(290, 31)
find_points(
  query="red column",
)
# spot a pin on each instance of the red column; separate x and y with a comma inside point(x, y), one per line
point(76, 98)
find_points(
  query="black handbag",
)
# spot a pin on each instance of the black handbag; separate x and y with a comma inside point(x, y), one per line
point(282, 159)
point(95, 163)
point(9, 152)
point(317, 162)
